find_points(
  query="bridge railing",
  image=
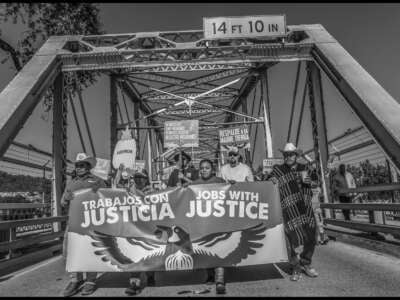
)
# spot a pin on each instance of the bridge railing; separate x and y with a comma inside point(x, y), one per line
point(376, 222)
point(18, 232)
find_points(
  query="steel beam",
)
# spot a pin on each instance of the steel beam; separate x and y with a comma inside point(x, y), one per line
point(318, 123)
point(19, 98)
point(113, 113)
point(230, 57)
point(376, 109)
point(137, 124)
point(60, 105)
point(145, 108)
point(246, 151)
point(201, 82)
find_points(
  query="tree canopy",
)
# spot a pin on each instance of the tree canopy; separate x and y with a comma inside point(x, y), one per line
point(43, 20)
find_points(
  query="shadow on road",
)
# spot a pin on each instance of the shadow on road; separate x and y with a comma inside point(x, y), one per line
point(193, 277)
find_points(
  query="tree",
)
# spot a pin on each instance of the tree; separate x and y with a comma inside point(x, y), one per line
point(43, 20)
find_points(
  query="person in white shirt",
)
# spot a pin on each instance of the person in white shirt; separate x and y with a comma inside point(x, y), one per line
point(235, 171)
point(343, 180)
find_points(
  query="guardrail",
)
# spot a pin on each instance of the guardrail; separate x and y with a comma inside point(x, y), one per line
point(27, 232)
point(372, 226)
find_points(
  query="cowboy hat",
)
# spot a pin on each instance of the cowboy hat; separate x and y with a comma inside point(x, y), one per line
point(233, 149)
point(83, 157)
point(289, 147)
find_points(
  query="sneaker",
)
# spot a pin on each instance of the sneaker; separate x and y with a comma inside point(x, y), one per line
point(88, 288)
point(295, 275)
point(134, 287)
point(72, 288)
point(220, 288)
point(309, 271)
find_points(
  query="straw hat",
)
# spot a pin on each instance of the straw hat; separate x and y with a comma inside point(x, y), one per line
point(290, 147)
point(83, 157)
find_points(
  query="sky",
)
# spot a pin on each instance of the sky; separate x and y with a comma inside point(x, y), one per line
point(367, 31)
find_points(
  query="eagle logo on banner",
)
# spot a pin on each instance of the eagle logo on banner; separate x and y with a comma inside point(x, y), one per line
point(177, 251)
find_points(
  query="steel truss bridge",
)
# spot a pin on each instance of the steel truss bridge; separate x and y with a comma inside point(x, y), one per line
point(155, 70)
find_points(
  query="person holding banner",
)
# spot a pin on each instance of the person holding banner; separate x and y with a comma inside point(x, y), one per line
point(83, 180)
point(236, 171)
point(294, 185)
point(138, 184)
point(184, 173)
point(207, 175)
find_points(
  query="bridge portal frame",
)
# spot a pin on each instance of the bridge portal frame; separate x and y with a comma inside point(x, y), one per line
point(150, 52)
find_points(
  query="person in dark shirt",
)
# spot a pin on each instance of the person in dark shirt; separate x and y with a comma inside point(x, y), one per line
point(207, 175)
point(185, 173)
point(83, 179)
point(294, 184)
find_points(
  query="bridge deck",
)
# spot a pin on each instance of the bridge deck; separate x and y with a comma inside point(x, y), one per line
point(345, 270)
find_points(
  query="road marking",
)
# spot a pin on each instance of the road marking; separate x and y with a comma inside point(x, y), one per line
point(32, 268)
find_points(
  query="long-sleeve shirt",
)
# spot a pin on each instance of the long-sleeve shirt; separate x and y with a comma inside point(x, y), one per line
point(79, 183)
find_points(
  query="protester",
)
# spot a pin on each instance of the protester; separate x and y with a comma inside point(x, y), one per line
point(343, 180)
point(184, 173)
point(321, 235)
point(136, 183)
point(294, 186)
point(83, 179)
point(207, 175)
point(235, 171)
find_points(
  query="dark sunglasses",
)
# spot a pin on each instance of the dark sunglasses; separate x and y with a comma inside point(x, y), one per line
point(289, 154)
point(81, 165)
point(233, 154)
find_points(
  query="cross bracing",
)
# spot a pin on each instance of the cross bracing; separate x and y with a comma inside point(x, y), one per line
point(148, 67)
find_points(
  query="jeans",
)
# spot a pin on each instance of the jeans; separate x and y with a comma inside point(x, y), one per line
point(76, 276)
point(305, 255)
point(346, 212)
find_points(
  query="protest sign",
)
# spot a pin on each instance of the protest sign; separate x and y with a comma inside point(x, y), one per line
point(234, 136)
point(125, 151)
point(200, 226)
point(102, 168)
point(270, 162)
point(181, 133)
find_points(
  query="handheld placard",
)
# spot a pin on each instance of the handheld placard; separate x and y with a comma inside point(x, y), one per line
point(125, 150)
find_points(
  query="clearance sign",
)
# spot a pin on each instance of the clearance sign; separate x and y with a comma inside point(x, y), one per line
point(200, 226)
point(244, 26)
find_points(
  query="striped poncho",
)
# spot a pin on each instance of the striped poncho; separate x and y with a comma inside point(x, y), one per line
point(296, 204)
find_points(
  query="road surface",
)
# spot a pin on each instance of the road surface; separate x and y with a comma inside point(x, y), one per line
point(345, 270)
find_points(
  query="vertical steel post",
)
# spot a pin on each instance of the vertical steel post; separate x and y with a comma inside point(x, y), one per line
point(318, 127)
point(137, 124)
point(59, 145)
point(158, 152)
point(113, 116)
point(267, 122)
point(246, 151)
point(149, 154)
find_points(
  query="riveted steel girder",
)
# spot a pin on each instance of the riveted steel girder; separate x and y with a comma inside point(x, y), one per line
point(376, 109)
